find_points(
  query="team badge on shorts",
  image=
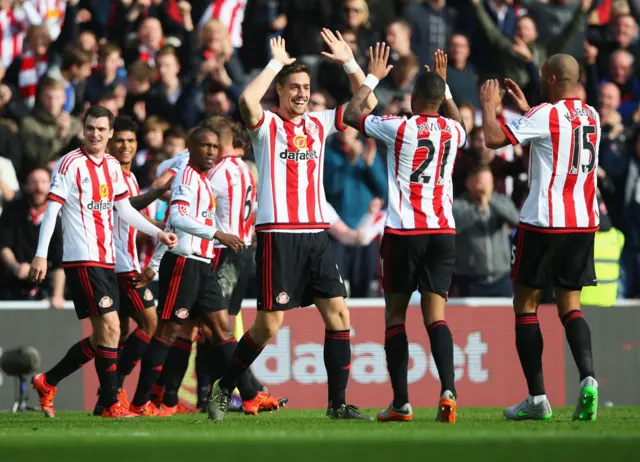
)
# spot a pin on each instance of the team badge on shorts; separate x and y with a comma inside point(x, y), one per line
point(105, 302)
point(182, 313)
point(282, 298)
point(148, 296)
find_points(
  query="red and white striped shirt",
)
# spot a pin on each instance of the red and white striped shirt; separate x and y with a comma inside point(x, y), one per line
point(565, 139)
point(290, 160)
point(47, 12)
point(235, 193)
point(421, 153)
point(87, 190)
point(231, 14)
point(125, 234)
point(193, 212)
point(32, 69)
point(13, 26)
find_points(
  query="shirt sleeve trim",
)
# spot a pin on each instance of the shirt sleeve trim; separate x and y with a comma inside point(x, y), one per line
point(509, 134)
point(258, 125)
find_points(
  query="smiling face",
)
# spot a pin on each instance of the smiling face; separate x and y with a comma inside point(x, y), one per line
point(97, 134)
point(294, 94)
point(123, 146)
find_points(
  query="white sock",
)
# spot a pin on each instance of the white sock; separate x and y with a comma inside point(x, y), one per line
point(589, 381)
point(537, 399)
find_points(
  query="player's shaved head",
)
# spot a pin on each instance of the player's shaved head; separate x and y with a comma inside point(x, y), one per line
point(560, 77)
point(428, 93)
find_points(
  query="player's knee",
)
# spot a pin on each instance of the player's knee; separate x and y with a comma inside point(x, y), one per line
point(109, 330)
point(265, 327)
point(149, 324)
point(336, 315)
point(167, 331)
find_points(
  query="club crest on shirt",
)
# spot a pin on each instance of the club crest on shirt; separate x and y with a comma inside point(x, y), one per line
point(312, 129)
point(282, 298)
point(148, 296)
point(182, 313)
point(57, 181)
point(104, 191)
point(105, 302)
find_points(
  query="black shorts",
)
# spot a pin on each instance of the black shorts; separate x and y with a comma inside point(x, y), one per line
point(295, 268)
point(94, 290)
point(188, 288)
point(231, 270)
point(419, 261)
point(539, 260)
point(133, 299)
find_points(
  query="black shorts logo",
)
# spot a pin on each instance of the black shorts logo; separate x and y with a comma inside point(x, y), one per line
point(182, 313)
point(148, 296)
point(282, 298)
point(105, 302)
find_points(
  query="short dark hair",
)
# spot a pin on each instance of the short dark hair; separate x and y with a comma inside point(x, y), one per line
point(479, 168)
point(125, 123)
point(175, 132)
point(97, 112)
point(430, 87)
point(240, 137)
point(108, 95)
point(290, 69)
point(74, 55)
point(197, 132)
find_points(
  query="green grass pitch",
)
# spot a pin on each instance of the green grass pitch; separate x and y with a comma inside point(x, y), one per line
point(303, 435)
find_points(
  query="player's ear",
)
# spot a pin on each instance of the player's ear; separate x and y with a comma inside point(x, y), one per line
point(278, 89)
point(111, 133)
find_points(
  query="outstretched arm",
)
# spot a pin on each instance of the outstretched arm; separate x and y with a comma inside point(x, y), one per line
point(143, 200)
point(378, 69)
point(494, 137)
point(250, 107)
point(449, 106)
point(341, 53)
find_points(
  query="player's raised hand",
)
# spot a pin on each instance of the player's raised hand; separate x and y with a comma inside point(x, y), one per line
point(440, 61)
point(144, 279)
point(168, 239)
point(279, 52)
point(516, 94)
point(341, 52)
point(38, 270)
point(378, 59)
point(490, 93)
point(229, 240)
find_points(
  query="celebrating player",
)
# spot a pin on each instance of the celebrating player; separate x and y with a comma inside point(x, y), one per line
point(137, 303)
point(188, 285)
point(87, 183)
point(295, 265)
point(555, 238)
point(418, 248)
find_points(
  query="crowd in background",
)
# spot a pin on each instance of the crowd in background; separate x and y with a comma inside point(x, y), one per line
point(170, 63)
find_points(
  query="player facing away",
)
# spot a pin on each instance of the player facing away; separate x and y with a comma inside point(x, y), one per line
point(87, 184)
point(418, 247)
point(555, 238)
point(188, 285)
point(137, 303)
point(295, 264)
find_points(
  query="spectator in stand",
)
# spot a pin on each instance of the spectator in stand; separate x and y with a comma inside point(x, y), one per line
point(111, 101)
point(175, 141)
point(398, 38)
point(217, 49)
point(320, 101)
point(354, 174)
point(230, 13)
point(172, 97)
point(88, 42)
point(139, 77)
point(14, 20)
point(355, 18)
point(514, 59)
point(620, 35)
point(19, 231)
point(400, 81)
point(47, 132)
point(10, 147)
point(73, 73)
point(621, 73)
point(8, 182)
point(483, 250)
point(12, 106)
point(153, 137)
point(462, 77)
point(432, 23)
point(109, 73)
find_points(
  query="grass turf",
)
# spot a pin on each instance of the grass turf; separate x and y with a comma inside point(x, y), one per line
point(302, 435)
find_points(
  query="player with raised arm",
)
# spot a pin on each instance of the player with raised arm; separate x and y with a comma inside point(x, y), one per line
point(295, 264)
point(418, 246)
point(87, 184)
point(554, 243)
point(188, 285)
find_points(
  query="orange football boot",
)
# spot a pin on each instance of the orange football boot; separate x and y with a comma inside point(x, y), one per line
point(447, 408)
point(261, 402)
point(391, 414)
point(46, 393)
point(123, 398)
point(116, 411)
point(148, 409)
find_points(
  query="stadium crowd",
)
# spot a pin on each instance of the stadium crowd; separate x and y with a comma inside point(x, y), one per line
point(170, 64)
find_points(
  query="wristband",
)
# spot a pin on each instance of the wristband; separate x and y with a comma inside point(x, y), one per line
point(351, 67)
point(371, 81)
point(275, 65)
point(447, 93)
